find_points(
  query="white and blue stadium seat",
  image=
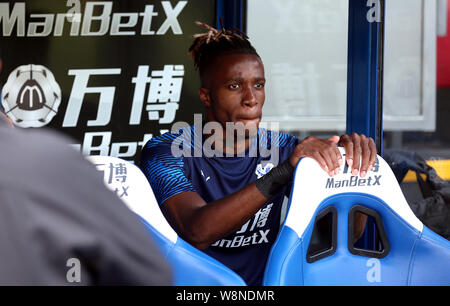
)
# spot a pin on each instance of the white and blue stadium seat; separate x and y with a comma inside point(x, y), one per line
point(406, 252)
point(190, 266)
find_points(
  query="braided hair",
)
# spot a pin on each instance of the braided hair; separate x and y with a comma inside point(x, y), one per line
point(215, 43)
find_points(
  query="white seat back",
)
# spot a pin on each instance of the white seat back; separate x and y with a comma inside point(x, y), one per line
point(130, 184)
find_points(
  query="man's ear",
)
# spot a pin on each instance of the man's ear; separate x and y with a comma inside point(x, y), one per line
point(204, 96)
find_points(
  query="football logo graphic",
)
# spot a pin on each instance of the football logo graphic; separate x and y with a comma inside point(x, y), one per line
point(31, 96)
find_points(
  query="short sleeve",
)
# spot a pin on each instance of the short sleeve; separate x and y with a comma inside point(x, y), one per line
point(163, 170)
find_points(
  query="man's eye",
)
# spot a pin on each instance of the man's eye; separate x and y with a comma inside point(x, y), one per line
point(259, 85)
point(234, 86)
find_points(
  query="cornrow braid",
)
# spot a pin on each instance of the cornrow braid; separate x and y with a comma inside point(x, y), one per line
point(215, 43)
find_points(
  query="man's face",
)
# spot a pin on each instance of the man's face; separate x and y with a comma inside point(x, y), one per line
point(236, 90)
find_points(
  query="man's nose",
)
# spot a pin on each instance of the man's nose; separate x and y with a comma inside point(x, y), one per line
point(249, 98)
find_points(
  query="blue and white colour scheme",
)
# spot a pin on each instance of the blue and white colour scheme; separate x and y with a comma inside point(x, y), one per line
point(190, 266)
point(215, 176)
point(413, 255)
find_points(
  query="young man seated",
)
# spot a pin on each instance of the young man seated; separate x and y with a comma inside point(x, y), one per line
point(227, 200)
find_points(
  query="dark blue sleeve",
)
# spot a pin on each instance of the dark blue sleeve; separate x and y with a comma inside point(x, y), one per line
point(163, 170)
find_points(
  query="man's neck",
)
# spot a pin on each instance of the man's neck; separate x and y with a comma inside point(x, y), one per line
point(228, 144)
point(236, 147)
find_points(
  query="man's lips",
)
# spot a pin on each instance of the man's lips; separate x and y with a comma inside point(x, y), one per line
point(248, 117)
point(248, 120)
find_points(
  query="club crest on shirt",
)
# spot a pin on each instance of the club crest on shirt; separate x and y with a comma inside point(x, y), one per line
point(262, 170)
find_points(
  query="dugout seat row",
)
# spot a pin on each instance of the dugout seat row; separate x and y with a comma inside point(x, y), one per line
point(319, 242)
point(191, 267)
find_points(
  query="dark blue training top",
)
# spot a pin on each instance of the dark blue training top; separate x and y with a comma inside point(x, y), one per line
point(175, 163)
